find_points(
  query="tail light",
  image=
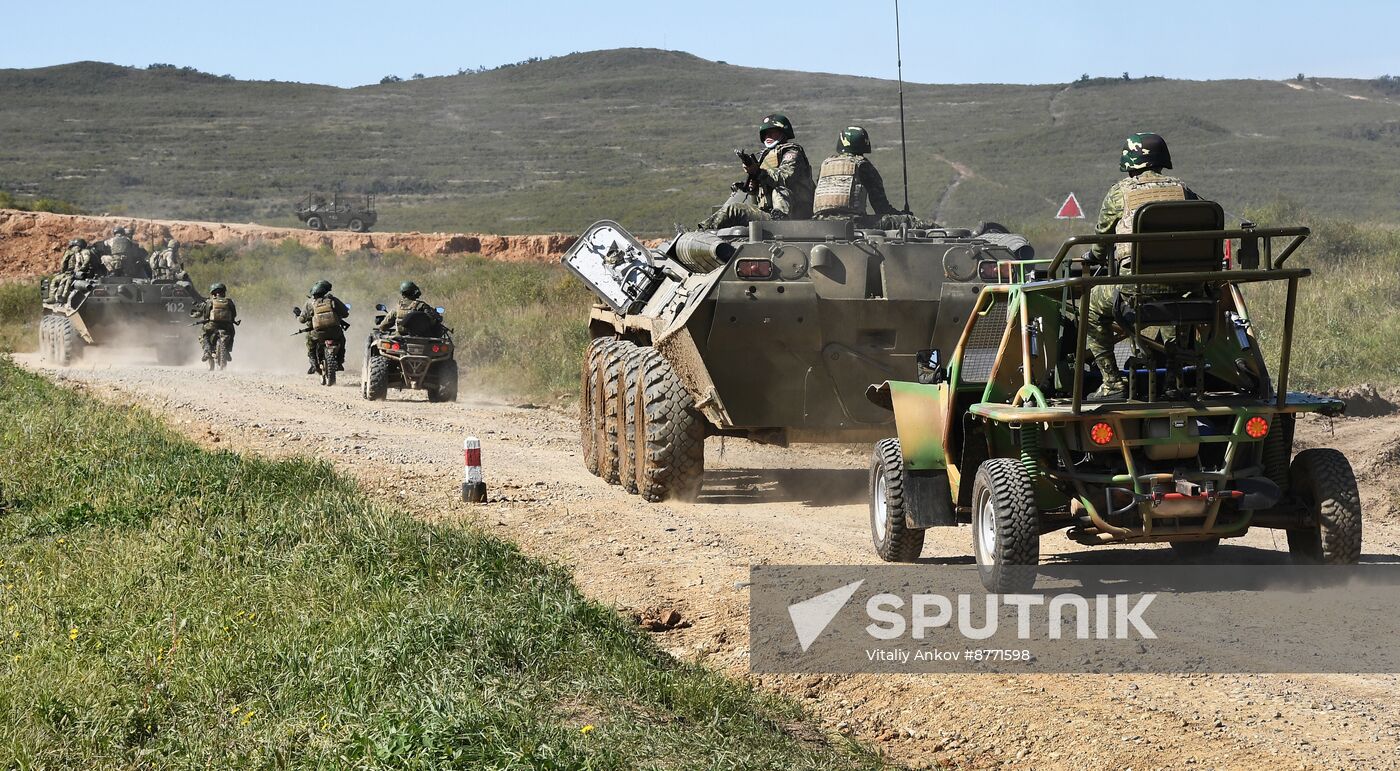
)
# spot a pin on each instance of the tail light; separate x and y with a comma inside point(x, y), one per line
point(437, 349)
point(754, 268)
point(395, 347)
point(1101, 434)
point(1257, 427)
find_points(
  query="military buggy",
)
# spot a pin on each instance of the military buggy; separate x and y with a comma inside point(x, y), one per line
point(999, 432)
point(357, 213)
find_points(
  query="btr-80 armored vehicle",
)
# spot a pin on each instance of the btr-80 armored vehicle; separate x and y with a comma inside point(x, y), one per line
point(120, 311)
point(770, 332)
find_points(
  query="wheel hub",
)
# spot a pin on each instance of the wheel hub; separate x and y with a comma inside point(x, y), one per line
point(882, 513)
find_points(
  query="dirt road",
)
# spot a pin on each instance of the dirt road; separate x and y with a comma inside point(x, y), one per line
point(799, 505)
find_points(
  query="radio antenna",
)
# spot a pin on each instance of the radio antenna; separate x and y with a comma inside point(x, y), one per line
point(899, 70)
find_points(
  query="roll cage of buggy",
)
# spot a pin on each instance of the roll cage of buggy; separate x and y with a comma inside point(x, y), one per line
point(1199, 448)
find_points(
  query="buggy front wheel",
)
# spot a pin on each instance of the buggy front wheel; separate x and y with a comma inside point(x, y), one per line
point(1005, 526)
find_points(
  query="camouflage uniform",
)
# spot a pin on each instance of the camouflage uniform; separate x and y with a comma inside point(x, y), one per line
point(118, 253)
point(62, 281)
point(407, 306)
point(217, 313)
point(165, 264)
point(1146, 185)
point(331, 304)
point(783, 181)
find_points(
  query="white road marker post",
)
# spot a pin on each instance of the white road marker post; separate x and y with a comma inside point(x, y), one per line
point(473, 483)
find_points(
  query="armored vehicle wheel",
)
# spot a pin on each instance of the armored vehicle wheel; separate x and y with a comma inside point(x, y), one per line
point(598, 408)
point(609, 461)
point(45, 344)
point(1005, 526)
point(444, 386)
point(357, 225)
point(587, 406)
point(376, 378)
point(67, 344)
point(1195, 551)
point(626, 412)
point(315, 223)
point(894, 540)
point(1322, 478)
point(670, 434)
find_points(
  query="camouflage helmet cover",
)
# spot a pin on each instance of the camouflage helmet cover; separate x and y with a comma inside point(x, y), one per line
point(172, 244)
point(410, 290)
point(217, 288)
point(320, 288)
point(1145, 151)
point(75, 241)
point(853, 141)
point(776, 121)
point(81, 243)
point(118, 231)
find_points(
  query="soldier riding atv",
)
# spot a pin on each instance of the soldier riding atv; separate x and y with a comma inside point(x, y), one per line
point(411, 349)
point(1000, 431)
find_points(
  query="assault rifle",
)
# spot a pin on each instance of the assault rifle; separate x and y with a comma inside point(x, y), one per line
point(749, 184)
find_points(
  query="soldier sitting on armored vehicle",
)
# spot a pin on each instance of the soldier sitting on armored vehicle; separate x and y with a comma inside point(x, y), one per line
point(1144, 157)
point(218, 314)
point(848, 179)
point(62, 282)
point(323, 317)
point(165, 264)
point(121, 256)
point(779, 183)
point(413, 317)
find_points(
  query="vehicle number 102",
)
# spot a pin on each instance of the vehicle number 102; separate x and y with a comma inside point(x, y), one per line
point(174, 307)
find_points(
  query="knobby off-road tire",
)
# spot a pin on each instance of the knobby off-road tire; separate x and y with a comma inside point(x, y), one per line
point(315, 223)
point(894, 540)
point(328, 360)
point(444, 387)
point(1323, 479)
point(1005, 526)
point(376, 374)
point(670, 454)
point(1195, 551)
point(45, 339)
point(609, 462)
point(626, 412)
point(588, 401)
point(67, 344)
point(221, 352)
point(357, 225)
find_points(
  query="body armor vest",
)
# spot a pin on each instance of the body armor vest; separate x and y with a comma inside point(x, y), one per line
point(1139, 191)
point(323, 316)
point(839, 190)
point(795, 199)
point(220, 309)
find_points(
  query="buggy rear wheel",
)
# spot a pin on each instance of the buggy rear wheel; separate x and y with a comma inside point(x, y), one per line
point(1005, 526)
point(357, 225)
point(894, 540)
point(1322, 477)
point(315, 223)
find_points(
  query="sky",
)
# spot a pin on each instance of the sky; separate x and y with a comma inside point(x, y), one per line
point(352, 43)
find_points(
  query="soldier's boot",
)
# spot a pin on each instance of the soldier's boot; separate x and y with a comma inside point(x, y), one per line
point(1114, 387)
point(310, 363)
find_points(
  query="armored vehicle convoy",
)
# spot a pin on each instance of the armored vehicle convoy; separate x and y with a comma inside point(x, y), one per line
point(120, 311)
point(356, 213)
point(770, 332)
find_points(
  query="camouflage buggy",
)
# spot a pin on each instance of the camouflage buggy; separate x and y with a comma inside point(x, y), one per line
point(120, 311)
point(770, 332)
point(998, 432)
point(357, 213)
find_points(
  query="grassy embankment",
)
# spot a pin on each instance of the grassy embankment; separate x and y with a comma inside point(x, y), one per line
point(168, 606)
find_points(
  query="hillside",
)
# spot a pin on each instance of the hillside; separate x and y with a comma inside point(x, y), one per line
point(644, 136)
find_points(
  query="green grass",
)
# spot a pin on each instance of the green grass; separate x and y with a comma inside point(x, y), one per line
point(644, 137)
point(19, 316)
point(170, 607)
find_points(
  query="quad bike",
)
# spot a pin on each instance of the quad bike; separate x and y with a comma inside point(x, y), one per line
point(326, 354)
point(999, 431)
point(418, 355)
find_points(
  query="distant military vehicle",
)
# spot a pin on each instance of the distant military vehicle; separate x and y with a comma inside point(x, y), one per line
point(120, 311)
point(357, 213)
point(770, 332)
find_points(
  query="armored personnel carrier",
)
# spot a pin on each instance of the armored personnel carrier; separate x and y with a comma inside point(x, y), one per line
point(770, 332)
point(120, 311)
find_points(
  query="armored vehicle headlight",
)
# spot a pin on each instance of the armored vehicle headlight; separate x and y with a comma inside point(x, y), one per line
point(754, 268)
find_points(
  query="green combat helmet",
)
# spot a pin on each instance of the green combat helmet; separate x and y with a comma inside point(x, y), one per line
point(853, 141)
point(1145, 151)
point(217, 288)
point(320, 288)
point(776, 121)
point(410, 290)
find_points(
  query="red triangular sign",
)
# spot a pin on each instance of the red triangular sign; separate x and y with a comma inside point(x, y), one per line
point(1069, 210)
